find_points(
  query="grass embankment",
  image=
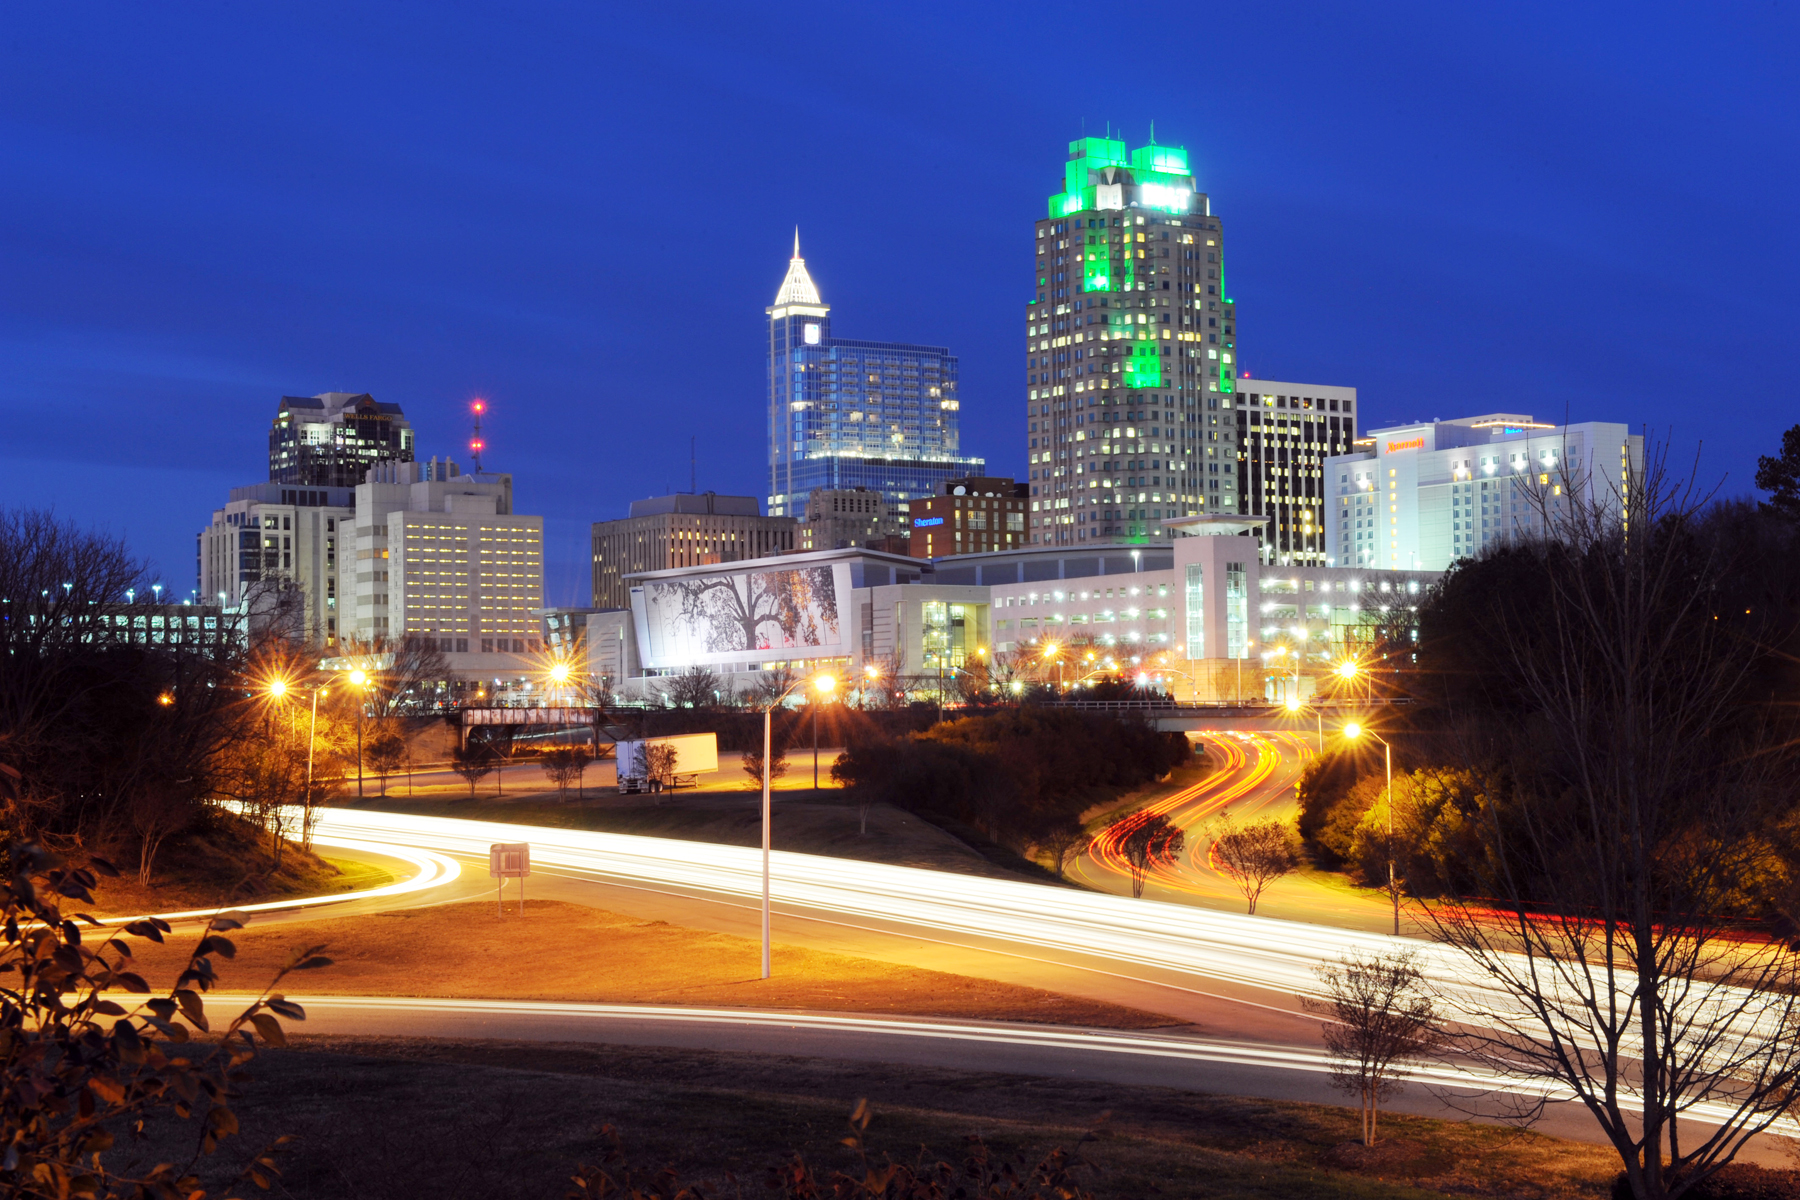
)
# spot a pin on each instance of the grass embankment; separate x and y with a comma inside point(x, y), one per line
point(567, 952)
point(825, 822)
point(226, 861)
point(383, 1119)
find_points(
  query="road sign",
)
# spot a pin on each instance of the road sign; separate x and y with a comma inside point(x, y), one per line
point(509, 860)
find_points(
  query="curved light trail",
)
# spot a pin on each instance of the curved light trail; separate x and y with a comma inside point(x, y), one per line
point(1046, 1041)
point(431, 869)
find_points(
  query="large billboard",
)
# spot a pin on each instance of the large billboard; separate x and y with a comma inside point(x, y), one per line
point(742, 616)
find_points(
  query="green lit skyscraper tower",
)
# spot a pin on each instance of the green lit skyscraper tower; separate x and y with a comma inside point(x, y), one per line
point(1131, 351)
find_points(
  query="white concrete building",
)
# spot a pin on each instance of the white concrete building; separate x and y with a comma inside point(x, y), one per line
point(1204, 614)
point(1423, 495)
point(442, 555)
point(273, 542)
point(1200, 613)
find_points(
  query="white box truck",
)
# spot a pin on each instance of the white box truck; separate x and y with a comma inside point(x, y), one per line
point(695, 754)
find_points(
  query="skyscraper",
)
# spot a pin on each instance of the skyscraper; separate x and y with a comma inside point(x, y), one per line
point(845, 414)
point(1131, 348)
point(1287, 431)
point(332, 439)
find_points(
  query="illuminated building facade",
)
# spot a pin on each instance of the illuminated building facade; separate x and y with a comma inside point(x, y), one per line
point(882, 416)
point(972, 516)
point(332, 439)
point(1130, 351)
point(1422, 496)
point(1286, 431)
point(442, 555)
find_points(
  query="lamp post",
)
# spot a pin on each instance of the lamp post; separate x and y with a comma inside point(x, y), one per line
point(359, 679)
point(825, 685)
point(1294, 706)
point(279, 688)
point(1353, 730)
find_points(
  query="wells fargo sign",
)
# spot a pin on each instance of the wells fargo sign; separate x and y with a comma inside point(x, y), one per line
point(1417, 443)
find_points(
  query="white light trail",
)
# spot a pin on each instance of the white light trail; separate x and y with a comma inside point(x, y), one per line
point(431, 870)
point(1148, 939)
point(1050, 1037)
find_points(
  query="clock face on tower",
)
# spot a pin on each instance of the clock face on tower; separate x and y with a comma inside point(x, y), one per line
point(812, 334)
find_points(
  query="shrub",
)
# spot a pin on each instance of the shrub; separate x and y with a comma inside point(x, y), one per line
point(77, 1065)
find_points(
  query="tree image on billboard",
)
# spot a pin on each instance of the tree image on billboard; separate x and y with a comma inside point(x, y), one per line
point(758, 610)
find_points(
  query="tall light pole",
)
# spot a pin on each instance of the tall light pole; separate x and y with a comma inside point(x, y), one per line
point(825, 685)
point(1294, 706)
point(359, 679)
point(1353, 730)
point(278, 688)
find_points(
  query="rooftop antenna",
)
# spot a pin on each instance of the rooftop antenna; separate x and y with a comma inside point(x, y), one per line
point(475, 443)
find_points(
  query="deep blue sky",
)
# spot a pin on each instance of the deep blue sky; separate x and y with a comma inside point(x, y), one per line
point(580, 211)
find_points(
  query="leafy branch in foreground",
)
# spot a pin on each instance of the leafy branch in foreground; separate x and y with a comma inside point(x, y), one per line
point(76, 1065)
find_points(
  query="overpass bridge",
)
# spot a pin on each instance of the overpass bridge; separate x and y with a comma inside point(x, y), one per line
point(1172, 717)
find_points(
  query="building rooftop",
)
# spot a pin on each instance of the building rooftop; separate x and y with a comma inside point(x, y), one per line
point(797, 286)
point(701, 503)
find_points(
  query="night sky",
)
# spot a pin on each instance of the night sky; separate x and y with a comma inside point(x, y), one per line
point(579, 213)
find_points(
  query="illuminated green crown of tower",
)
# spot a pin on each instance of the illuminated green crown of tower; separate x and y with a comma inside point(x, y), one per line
point(1159, 172)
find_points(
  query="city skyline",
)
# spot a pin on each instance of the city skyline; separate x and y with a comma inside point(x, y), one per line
point(175, 273)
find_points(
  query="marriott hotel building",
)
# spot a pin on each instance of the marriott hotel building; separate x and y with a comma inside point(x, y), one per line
point(1418, 497)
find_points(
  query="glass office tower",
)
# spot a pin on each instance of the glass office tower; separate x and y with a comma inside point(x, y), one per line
point(1131, 351)
point(847, 414)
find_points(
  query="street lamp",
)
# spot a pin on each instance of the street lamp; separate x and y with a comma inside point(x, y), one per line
point(1294, 705)
point(278, 689)
point(1353, 731)
point(825, 685)
point(359, 679)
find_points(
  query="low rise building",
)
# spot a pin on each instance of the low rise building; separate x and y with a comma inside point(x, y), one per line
point(851, 518)
point(1203, 612)
point(976, 514)
point(683, 530)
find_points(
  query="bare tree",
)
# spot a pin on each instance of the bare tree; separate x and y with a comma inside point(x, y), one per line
point(1631, 778)
point(1257, 854)
point(400, 670)
point(1379, 1020)
point(1145, 840)
point(385, 751)
point(773, 684)
point(656, 763)
point(778, 763)
point(1064, 840)
point(696, 687)
point(473, 762)
point(565, 765)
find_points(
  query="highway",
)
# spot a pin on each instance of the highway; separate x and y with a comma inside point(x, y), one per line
point(1231, 978)
point(1254, 777)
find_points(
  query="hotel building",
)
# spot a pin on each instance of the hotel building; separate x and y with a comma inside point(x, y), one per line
point(1426, 494)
